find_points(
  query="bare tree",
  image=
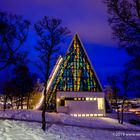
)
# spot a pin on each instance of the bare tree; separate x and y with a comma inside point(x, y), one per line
point(126, 87)
point(32, 78)
point(13, 33)
point(51, 34)
point(8, 94)
point(23, 82)
point(121, 85)
point(124, 19)
point(113, 81)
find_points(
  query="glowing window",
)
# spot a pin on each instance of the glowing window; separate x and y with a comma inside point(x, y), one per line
point(91, 99)
point(87, 115)
point(95, 114)
point(83, 115)
point(100, 114)
point(79, 99)
point(75, 99)
point(91, 115)
point(75, 115)
point(87, 98)
point(79, 115)
point(94, 99)
point(83, 99)
point(100, 103)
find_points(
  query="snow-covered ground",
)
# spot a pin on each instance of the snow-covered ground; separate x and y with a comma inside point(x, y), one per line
point(92, 122)
point(63, 127)
point(16, 130)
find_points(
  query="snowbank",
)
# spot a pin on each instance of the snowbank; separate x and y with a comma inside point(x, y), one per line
point(95, 122)
point(63, 127)
point(17, 130)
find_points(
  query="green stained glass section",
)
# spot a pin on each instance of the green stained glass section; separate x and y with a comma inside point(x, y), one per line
point(75, 73)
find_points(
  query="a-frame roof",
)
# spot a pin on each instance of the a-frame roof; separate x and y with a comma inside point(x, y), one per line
point(78, 38)
point(76, 72)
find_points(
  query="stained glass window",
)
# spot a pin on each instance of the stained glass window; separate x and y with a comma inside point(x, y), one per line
point(75, 73)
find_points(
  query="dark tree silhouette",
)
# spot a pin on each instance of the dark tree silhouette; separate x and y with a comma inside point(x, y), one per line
point(8, 93)
point(19, 87)
point(124, 18)
point(51, 34)
point(113, 81)
point(126, 87)
point(31, 87)
point(23, 82)
point(121, 84)
point(13, 33)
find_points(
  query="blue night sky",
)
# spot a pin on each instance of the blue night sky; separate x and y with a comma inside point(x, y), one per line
point(88, 18)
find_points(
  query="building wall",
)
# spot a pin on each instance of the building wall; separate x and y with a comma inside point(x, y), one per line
point(81, 103)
